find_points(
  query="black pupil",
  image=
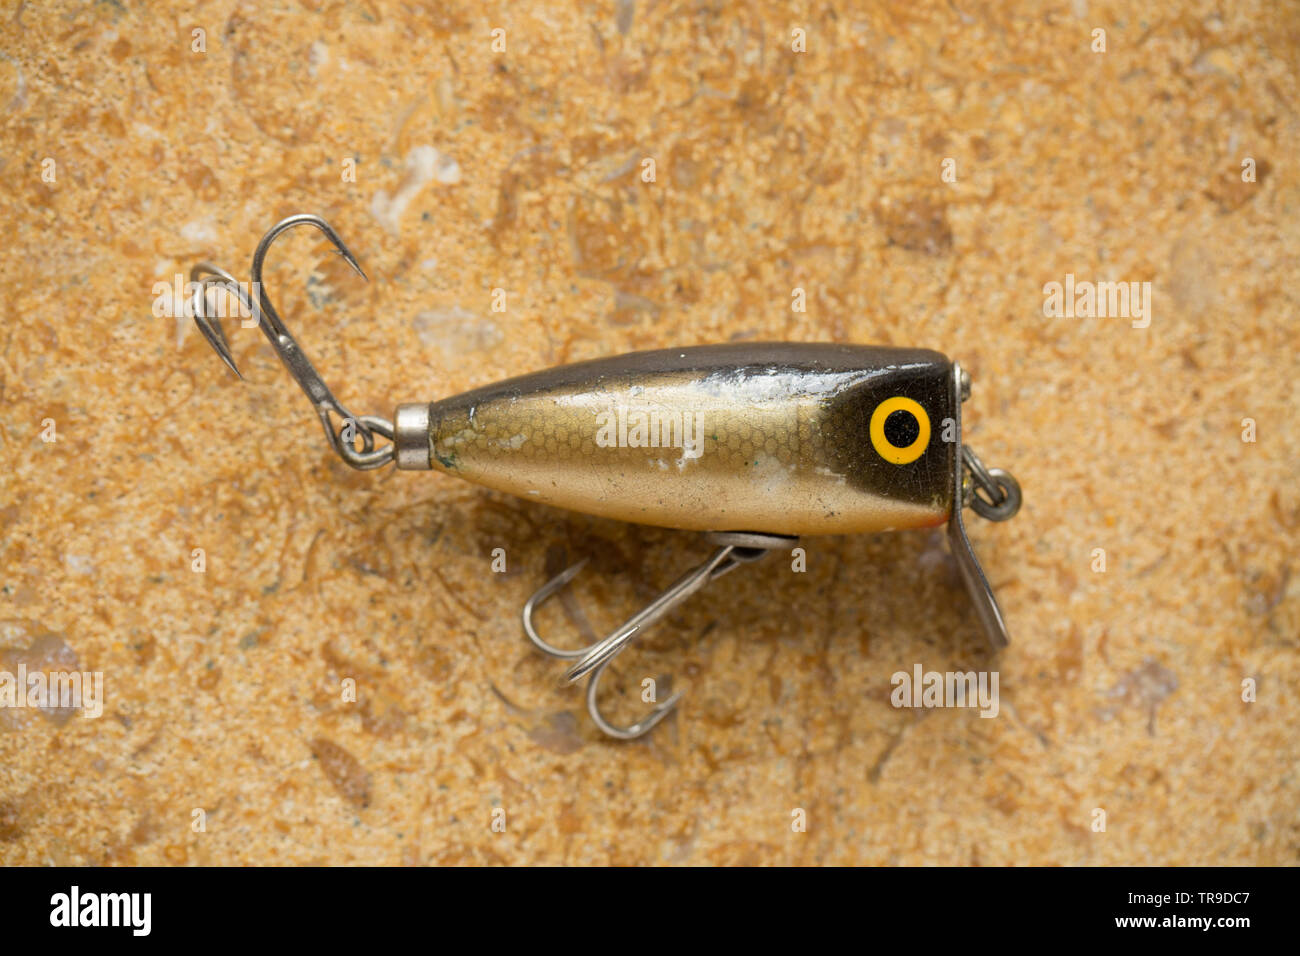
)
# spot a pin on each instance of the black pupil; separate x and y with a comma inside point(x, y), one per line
point(902, 429)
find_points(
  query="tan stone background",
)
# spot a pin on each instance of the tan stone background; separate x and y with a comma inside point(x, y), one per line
point(774, 170)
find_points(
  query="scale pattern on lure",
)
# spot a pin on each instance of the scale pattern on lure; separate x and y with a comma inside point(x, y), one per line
point(754, 443)
point(754, 437)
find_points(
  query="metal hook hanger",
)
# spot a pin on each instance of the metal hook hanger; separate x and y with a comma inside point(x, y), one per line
point(206, 276)
point(734, 549)
point(1000, 500)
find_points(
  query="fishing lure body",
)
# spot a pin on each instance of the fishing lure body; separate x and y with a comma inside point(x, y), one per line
point(790, 439)
point(755, 444)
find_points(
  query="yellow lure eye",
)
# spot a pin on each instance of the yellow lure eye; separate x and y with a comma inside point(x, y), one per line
point(884, 447)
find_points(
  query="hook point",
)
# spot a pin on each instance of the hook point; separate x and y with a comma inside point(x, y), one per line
point(351, 260)
point(230, 364)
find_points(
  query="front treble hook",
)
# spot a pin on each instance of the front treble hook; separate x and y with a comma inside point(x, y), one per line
point(734, 549)
point(206, 276)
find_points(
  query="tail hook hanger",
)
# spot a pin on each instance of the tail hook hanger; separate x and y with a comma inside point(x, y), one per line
point(207, 277)
point(734, 549)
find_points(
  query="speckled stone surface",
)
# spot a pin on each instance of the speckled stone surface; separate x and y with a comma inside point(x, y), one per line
point(454, 170)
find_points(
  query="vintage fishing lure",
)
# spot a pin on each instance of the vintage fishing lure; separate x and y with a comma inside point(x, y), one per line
point(754, 444)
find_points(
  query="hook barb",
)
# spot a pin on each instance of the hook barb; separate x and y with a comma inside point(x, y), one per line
point(210, 326)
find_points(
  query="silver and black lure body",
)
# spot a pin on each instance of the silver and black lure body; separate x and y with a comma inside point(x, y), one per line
point(755, 444)
point(776, 437)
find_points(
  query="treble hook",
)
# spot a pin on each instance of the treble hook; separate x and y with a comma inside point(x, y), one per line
point(593, 708)
point(734, 550)
point(286, 346)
